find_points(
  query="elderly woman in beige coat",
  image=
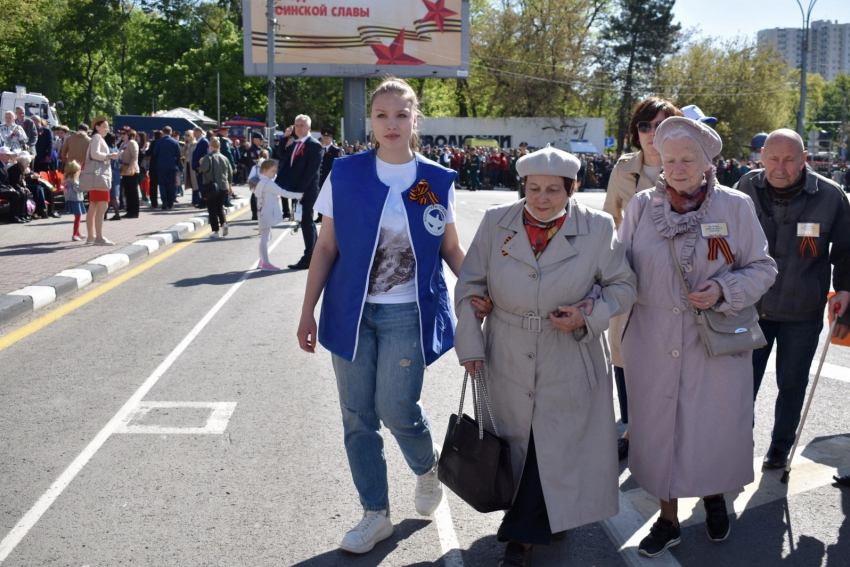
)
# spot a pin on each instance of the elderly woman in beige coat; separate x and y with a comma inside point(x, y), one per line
point(544, 359)
point(632, 174)
point(690, 415)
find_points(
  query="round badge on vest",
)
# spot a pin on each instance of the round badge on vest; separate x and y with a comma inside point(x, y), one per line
point(435, 219)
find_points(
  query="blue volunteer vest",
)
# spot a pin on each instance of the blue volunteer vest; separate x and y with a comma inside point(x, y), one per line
point(358, 202)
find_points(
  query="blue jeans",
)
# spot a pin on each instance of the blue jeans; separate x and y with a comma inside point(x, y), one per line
point(383, 384)
point(796, 344)
point(167, 188)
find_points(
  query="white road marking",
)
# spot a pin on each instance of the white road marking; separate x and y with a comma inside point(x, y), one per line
point(449, 545)
point(34, 514)
point(483, 210)
point(626, 529)
point(812, 468)
point(216, 422)
point(833, 371)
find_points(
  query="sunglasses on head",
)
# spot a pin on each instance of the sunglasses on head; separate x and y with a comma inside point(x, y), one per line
point(647, 127)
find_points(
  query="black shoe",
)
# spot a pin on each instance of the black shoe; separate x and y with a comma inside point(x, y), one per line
point(130, 216)
point(842, 480)
point(254, 217)
point(716, 518)
point(662, 536)
point(55, 215)
point(558, 536)
point(163, 207)
point(515, 555)
point(301, 265)
point(622, 448)
point(18, 220)
point(115, 217)
point(775, 459)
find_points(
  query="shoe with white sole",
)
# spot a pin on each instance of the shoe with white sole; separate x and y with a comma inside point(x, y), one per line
point(224, 230)
point(104, 242)
point(374, 527)
point(429, 491)
point(214, 235)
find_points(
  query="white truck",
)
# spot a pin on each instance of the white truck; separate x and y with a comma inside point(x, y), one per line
point(33, 103)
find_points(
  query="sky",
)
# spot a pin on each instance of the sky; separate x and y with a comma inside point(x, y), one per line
point(728, 18)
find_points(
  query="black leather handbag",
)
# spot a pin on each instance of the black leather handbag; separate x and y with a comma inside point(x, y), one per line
point(476, 464)
point(210, 190)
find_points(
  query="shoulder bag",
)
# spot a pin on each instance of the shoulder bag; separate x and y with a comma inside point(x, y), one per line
point(476, 464)
point(210, 190)
point(96, 175)
point(722, 335)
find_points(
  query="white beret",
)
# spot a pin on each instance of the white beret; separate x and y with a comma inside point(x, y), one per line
point(549, 161)
point(679, 125)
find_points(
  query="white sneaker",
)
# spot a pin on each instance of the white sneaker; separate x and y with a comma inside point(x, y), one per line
point(429, 491)
point(214, 235)
point(373, 528)
point(104, 242)
point(224, 230)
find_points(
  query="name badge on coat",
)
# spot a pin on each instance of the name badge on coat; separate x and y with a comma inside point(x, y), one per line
point(810, 229)
point(713, 229)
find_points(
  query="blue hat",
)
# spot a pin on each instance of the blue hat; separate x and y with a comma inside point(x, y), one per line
point(694, 113)
point(257, 135)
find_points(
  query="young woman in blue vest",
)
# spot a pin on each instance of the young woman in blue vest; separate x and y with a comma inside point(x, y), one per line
point(389, 222)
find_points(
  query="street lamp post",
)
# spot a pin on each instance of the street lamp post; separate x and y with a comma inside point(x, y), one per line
point(804, 50)
point(270, 36)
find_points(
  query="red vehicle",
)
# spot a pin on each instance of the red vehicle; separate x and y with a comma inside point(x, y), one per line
point(241, 128)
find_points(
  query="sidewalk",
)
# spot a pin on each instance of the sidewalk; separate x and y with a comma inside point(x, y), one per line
point(38, 250)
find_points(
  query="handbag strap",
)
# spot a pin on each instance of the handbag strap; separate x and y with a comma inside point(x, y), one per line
point(680, 273)
point(479, 391)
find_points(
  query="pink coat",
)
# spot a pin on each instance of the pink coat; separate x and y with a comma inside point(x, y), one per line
point(690, 417)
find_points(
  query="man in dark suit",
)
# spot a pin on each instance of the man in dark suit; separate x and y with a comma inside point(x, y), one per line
point(167, 156)
point(299, 171)
point(202, 148)
point(332, 151)
point(43, 147)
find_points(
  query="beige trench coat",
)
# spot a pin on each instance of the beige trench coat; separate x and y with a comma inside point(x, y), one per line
point(690, 417)
point(558, 383)
point(627, 180)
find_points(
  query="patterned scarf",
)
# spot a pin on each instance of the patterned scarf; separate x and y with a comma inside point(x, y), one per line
point(782, 197)
point(540, 233)
point(686, 203)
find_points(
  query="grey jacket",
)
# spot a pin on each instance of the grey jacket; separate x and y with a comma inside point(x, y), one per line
point(800, 291)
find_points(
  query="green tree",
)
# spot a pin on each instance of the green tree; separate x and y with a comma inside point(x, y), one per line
point(638, 36)
point(746, 88)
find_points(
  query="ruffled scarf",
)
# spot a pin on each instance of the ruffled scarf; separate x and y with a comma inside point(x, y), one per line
point(669, 222)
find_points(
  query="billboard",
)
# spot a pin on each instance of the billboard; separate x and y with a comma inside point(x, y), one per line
point(580, 135)
point(359, 38)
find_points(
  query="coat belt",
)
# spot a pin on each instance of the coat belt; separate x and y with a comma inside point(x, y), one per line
point(530, 322)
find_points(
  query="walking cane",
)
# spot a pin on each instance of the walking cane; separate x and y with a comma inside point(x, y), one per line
point(836, 308)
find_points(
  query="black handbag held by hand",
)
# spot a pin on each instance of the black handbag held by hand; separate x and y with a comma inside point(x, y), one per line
point(476, 464)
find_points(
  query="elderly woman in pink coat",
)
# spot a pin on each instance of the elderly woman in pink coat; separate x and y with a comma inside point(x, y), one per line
point(690, 415)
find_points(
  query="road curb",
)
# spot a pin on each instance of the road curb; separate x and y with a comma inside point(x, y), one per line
point(24, 301)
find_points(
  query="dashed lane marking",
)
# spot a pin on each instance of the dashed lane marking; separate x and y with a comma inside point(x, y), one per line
point(34, 514)
point(216, 423)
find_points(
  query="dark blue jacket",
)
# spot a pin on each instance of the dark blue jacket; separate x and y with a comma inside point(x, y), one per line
point(202, 149)
point(359, 197)
point(302, 176)
point(44, 145)
point(167, 154)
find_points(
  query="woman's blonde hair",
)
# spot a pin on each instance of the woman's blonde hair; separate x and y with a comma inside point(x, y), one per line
point(72, 168)
point(402, 88)
point(263, 155)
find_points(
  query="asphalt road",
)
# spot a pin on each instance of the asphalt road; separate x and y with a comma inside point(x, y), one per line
point(240, 461)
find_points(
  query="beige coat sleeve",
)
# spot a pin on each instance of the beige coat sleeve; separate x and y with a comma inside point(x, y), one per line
point(617, 280)
point(613, 199)
point(472, 282)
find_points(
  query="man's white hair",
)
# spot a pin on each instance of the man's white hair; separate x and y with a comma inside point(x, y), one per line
point(305, 118)
point(679, 134)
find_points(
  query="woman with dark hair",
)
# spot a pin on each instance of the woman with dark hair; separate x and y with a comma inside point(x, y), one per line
point(542, 351)
point(129, 159)
point(634, 173)
point(144, 161)
point(157, 134)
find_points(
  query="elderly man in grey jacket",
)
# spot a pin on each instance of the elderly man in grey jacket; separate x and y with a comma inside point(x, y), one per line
point(806, 218)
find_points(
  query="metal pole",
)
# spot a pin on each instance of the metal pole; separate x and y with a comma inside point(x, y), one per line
point(804, 49)
point(218, 96)
point(270, 30)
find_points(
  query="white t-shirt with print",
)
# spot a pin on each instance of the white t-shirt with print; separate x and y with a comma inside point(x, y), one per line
point(392, 277)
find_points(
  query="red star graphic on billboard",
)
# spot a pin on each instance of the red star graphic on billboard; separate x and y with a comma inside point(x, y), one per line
point(394, 53)
point(437, 12)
